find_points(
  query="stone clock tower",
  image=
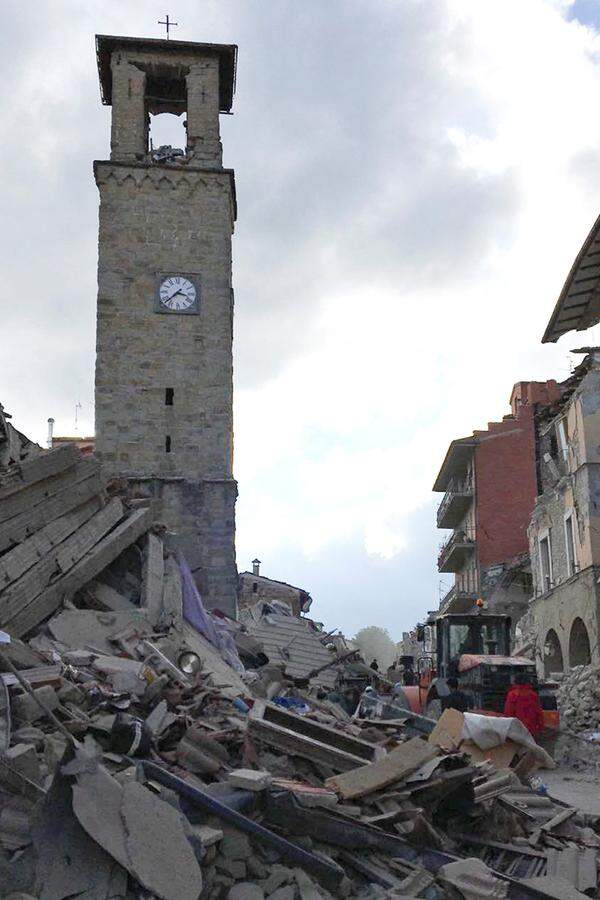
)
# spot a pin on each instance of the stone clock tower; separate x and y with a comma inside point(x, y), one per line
point(164, 417)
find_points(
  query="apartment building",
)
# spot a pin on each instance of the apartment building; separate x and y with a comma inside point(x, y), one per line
point(489, 486)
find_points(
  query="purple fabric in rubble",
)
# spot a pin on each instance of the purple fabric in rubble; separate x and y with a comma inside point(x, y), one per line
point(203, 622)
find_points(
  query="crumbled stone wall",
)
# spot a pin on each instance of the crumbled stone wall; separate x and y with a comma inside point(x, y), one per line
point(549, 514)
point(129, 136)
point(200, 518)
point(269, 591)
point(508, 600)
point(579, 699)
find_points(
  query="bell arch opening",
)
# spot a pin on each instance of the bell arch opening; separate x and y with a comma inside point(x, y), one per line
point(167, 130)
point(579, 644)
point(553, 658)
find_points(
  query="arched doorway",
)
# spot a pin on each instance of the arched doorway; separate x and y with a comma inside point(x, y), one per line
point(579, 645)
point(553, 658)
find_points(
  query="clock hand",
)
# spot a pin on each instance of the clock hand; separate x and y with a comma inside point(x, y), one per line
point(176, 291)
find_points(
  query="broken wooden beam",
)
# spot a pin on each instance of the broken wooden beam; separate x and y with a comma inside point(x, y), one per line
point(100, 556)
point(400, 762)
point(31, 551)
point(299, 736)
point(30, 471)
point(172, 602)
point(558, 819)
point(88, 525)
point(153, 571)
point(50, 499)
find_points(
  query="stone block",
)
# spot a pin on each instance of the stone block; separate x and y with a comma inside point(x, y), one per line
point(236, 845)
point(278, 876)
point(22, 758)
point(234, 868)
point(249, 779)
point(29, 734)
point(25, 709)
point(246, 890)
point(208, 836)
point(288, 892)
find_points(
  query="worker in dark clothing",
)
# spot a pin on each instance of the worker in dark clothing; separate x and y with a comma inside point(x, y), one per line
point(456, 699)
point(409, 678)
point(375, 665)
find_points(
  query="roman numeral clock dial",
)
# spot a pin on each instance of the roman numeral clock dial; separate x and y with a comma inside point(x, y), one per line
point(177, 293)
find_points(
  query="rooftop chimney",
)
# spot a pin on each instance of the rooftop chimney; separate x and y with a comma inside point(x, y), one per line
point(50, 433)
point(256, 566)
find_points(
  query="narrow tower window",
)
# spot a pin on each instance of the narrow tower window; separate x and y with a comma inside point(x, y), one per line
point(168, 444)
point(169, 394)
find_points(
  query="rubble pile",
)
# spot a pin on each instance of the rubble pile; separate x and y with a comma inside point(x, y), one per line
point(149, 748)
point(579, 699)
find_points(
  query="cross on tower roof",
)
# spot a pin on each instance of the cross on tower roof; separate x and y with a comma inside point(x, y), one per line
point(168, 24)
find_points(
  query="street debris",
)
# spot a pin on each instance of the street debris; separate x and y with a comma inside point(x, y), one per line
point(150, 748)
point(579, 700)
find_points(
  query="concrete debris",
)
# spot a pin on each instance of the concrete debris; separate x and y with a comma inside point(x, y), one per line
point(396, 766)
point(579, 699)
point(249, 779)
point(473, 879)
point(147, 753)
point(208, 836)
point(25, 708)
point(246, 890)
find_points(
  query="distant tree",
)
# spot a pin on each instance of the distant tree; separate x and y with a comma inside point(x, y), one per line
point(375, 643)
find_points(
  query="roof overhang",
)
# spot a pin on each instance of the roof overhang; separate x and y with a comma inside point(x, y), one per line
point(578, 306)
point(469, 661)
point(455, 462)
point(106, 44)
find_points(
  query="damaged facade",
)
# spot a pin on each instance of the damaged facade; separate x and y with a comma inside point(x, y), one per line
point(489, 485)
point(255, 588)
point(565, 527)
point(163, 391)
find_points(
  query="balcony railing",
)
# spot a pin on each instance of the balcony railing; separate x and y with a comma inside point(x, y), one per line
point(455, 551)
point(457, 601)
point(455, 502)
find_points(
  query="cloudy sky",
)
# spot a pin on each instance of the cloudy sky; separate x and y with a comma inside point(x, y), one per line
point(414, 180)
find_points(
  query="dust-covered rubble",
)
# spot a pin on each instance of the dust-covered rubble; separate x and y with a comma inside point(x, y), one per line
point(150, 748)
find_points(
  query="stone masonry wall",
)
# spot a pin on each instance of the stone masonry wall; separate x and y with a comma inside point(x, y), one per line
point(200, 517)
point(164, 220)
point(576, 598)
point(164, 381)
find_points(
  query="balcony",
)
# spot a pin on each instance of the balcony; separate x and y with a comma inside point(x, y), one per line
point(455, 503)
point(456, 551)
point(457, 601)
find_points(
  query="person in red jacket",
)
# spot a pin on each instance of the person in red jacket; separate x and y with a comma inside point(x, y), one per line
point(523, 703)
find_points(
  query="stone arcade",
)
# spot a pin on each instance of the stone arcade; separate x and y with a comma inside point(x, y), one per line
point(164, 418)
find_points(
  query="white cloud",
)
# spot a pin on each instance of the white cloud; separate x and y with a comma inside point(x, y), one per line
point(394, 373)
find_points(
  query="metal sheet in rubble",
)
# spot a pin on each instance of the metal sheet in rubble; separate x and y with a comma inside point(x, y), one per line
point(4, 718)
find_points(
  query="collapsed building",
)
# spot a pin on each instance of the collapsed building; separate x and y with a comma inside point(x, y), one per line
point(151, 748)
point(254, 588)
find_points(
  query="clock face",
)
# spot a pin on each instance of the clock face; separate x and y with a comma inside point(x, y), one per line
point(177, 293)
